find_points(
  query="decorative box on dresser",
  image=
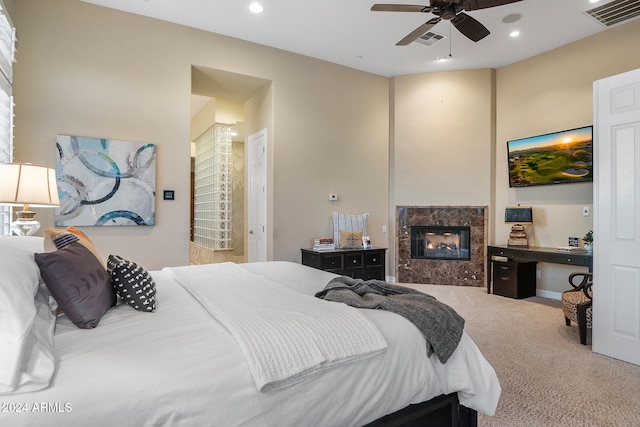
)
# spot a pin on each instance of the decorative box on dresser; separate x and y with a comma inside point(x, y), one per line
point(363, 264)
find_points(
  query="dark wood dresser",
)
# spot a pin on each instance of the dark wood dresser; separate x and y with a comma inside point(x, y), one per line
point(363, 264)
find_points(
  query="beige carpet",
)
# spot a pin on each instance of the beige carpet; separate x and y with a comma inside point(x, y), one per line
point(548, 378)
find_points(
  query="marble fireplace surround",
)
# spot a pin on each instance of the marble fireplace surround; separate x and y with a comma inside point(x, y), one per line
point(436, 271)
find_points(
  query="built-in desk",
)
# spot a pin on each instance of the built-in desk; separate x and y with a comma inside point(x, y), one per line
point(532, 253)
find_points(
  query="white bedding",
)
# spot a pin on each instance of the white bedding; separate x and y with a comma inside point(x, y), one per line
point(180, 366)
point(285, 336)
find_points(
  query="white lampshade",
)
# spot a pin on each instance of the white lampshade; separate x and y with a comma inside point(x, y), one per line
point(27, 184)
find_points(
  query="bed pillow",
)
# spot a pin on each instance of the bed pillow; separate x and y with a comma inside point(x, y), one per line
point(78, 282)
point(351, 239)
point(348, 222)
point(27, 318)
point(55, 239)
point(132, 283)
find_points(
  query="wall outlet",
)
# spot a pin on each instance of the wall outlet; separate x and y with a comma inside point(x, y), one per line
point(384, 228)
point(333, 197)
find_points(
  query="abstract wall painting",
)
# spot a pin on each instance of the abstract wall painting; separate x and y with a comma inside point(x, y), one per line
point(105, 182)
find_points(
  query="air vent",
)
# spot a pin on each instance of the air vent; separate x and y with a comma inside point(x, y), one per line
point(616, 12)
point(430, 38)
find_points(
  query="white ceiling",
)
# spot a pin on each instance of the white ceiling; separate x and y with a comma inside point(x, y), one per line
point(347, 32)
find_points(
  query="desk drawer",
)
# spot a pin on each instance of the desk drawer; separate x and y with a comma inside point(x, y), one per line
point(514, 279)
point(505, 268)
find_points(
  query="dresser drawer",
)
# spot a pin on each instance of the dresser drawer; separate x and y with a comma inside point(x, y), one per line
point(332, 262)
point(353, 260)
point(362, 264)
point(373, 259)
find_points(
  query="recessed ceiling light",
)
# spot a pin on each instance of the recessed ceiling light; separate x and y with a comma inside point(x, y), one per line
point(594, 1)
point(256, 7)
point(443, 58)
point(514, 33)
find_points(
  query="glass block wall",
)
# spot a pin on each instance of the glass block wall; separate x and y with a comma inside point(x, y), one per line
point(212, 188)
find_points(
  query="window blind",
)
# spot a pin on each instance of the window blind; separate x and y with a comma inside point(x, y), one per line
point(7, 58)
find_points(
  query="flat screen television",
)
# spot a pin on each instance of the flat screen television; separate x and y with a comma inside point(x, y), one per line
point(553, 158)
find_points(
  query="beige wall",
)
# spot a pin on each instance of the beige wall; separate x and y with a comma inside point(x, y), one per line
point(97, 72)
point(547, 93)
point(93, 71)
point(442, 140)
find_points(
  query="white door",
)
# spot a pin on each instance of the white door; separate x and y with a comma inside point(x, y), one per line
point(257, 196)
point(616, 302)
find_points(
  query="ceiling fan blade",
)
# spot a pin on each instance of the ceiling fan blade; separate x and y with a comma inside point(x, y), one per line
point(399, 8)
point(470, 27)
point(484, 4)
point(418, 32)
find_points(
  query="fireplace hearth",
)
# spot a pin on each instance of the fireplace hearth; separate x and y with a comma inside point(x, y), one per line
point(442, 245)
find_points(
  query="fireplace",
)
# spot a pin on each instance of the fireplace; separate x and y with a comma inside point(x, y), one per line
point(437, 242)
point(441, 245)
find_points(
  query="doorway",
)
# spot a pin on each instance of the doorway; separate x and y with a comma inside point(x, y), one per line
point(221, 98)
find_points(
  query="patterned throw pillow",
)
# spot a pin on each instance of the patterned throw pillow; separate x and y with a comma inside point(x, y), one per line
point(56, 239)
point(350, 239)
point(132, 283)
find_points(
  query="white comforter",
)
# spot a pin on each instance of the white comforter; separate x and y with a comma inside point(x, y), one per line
point(285, 336)
point(180, 366)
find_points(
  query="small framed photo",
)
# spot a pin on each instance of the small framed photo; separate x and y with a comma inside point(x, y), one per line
point(366, 242)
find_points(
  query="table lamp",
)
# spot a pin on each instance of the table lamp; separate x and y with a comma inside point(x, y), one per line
point(24, 184)
point(519, 216)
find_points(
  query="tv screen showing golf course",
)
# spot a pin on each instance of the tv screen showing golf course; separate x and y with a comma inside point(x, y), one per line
point(553, 158)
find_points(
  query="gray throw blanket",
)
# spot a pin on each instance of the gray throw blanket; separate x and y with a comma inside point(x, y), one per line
point(441, 325)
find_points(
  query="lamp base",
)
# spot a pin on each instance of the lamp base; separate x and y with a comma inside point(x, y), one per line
point(25, 228)
point(517, 237)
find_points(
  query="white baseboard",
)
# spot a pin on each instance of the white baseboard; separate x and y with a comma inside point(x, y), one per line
point(548, 294)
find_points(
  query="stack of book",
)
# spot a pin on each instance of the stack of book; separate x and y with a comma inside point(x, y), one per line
point(323, 244)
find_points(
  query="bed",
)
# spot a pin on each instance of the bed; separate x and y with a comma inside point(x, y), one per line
point(184, 365)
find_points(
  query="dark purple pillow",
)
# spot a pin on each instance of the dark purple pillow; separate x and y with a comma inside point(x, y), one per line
point(78, 282)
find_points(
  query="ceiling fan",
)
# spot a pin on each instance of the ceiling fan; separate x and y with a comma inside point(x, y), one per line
point(451, 10)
